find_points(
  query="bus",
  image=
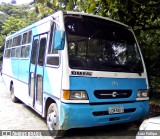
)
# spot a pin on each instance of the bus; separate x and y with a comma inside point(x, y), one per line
point(77, 70)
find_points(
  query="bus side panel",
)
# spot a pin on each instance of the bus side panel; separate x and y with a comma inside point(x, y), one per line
point(40, 29)
point(24, 70)
point(20, 88)
point(10, 71)
point(52, 81)
point(14, 64)
point(7, 67)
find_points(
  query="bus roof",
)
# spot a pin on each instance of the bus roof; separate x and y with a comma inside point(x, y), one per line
point(97, 16)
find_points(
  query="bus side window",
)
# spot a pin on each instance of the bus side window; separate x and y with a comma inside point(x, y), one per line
point(7, 53)
point(24, 38)
point(52, 56)
point(42, 52)
point(17, 52)
point(25, 51)
point(13, 52)
point(9, 43)
point(34, 51)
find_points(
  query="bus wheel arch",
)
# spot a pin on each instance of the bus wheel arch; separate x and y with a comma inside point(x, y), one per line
point(52, 118)
point(48, 102)
point(13, 97)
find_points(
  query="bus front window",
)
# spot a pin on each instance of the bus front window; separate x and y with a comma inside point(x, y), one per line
point(97, 44)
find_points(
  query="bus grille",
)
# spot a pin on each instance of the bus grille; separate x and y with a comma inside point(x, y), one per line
point(112, 94)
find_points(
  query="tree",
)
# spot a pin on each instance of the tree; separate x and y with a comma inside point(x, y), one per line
point(12, 24)
point(20, 11)
point(13, 18)
point(1, 46)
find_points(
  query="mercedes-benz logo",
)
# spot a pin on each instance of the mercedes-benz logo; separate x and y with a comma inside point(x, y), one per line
point(114, 83)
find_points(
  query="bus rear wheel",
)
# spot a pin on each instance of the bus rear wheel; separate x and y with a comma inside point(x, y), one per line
point(53, 121)
point(13, 97)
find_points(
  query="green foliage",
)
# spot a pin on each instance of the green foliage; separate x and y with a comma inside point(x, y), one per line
point(2, 38)
point(16, 17)
point(12, 24)
point(13, 18)
point(15, 11)
point(3, 16)
point(149, 42)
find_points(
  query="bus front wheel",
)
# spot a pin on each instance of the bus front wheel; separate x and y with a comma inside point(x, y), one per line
point(53, 121)
point(13, 97)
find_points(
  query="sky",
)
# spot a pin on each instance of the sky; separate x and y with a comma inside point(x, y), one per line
point(18, 1)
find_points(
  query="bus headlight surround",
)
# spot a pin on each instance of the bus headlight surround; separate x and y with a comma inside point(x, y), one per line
point(80, 95)
point(142, 94)
point(74, 95)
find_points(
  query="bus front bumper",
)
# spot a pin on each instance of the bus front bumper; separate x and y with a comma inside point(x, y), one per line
point(86, 115)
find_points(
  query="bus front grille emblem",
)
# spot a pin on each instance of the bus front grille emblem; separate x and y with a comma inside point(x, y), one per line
point(114, 94)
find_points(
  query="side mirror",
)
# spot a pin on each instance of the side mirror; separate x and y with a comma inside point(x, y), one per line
point(59, 39)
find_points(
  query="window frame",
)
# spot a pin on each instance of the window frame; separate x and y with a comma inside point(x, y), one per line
point(26, 44)
point(51, 48)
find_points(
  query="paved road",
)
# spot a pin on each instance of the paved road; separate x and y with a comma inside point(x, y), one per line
point(17, 116)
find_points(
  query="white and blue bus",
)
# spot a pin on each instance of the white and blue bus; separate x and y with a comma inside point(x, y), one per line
point(77, 70)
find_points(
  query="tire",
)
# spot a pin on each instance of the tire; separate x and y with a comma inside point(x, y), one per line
point(13, 97)
point(53, 121)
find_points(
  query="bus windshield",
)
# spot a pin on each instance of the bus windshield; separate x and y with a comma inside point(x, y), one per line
point(98, 44)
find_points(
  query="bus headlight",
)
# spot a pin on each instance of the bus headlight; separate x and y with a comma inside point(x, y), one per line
point(142, 95)
point(74, 95)
point(78, 95)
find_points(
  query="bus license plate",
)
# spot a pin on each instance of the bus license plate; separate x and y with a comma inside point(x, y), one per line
point(113, 110)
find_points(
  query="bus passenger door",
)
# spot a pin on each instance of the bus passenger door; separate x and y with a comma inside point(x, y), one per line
point(36, 72)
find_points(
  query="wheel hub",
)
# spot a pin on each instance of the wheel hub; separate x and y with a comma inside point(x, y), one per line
point(52, 120)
